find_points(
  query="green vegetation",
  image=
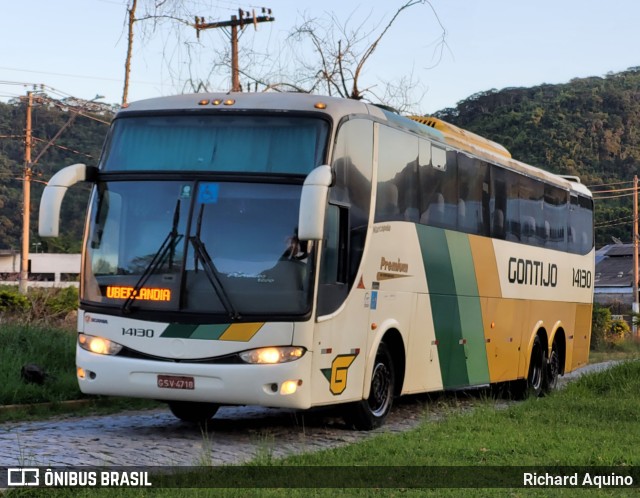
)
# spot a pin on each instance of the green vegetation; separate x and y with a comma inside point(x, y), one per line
point(50, 349)
point(608, 335)
point(80, 142)
point(40, 329)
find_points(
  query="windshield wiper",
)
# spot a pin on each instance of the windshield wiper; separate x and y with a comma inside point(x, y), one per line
point(167, 248)
point(210, 270)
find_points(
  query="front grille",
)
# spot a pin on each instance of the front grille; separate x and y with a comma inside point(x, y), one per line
point(229, 359)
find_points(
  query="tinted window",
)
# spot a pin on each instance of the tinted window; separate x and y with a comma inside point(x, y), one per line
point(531, 194)
point(439, 189)
point(472, 194)
point(259, 144)
point(555, 217)
point(396, 192)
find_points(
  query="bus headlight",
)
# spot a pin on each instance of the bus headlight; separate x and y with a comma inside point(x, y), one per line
point(272, 355)
point(98, 345)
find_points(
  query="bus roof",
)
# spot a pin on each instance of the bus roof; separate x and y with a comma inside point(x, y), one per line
point(338, 108)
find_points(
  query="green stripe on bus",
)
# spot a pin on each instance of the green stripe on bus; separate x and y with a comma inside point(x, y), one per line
point(472, 329)
point(212, 332)
point(464, 274)
point(178, 330)
point(186, 331)
point(444, 305)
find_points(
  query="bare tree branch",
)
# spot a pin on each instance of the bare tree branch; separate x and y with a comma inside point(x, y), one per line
point(355, 94)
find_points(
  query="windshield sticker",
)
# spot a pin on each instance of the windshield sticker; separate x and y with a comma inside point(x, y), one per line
point(185, 191)
point(208, 193)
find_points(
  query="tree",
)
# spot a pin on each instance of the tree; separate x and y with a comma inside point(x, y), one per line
point(330, 56)
point(158, 12)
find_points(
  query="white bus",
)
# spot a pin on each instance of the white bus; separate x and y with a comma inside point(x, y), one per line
point(292, 250)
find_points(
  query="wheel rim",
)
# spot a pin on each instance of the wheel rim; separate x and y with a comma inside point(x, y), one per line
point(380, 396)
point(554, 368)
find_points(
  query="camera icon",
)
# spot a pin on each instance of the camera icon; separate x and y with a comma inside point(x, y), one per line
point(23, 476)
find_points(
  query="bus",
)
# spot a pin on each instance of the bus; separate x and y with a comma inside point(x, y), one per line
point(293, 250)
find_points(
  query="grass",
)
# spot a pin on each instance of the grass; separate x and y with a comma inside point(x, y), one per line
point(629, 349)
point(53, 350)
point(593, 422)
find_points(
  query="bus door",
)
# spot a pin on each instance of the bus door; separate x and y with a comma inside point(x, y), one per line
point(341, 332)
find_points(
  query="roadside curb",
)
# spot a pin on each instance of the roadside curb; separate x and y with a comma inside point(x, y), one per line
point(32, 406)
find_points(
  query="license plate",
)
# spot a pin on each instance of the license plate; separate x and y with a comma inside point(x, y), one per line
point(176, 382)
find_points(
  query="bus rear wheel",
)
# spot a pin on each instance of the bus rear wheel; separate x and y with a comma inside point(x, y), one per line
point(372, 412)
point(553, 369)
point(194, 412)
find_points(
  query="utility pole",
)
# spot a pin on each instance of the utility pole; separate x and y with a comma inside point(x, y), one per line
point(636, 306)
point(241, 20)
point(26, 198)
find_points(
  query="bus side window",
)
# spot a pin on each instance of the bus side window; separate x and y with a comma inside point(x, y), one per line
point(500, 209)
point(439, 189)
point(396, 193)
point(472, 174)
point(334, 263)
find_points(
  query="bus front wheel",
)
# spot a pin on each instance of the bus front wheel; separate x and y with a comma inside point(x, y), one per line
point(194, 412)
point(371, 413)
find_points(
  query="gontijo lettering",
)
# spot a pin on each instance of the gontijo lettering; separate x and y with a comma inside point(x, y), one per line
point(144, 294)
point(528, 272)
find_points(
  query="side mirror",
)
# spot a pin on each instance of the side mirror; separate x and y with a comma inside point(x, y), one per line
point(49, 216)
point(313, 203)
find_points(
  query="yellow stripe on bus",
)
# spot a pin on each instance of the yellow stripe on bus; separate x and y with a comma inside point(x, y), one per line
point(241, 332)
point(484, 262)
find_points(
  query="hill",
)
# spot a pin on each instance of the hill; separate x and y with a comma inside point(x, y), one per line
point(80, 141)
point(589, 127)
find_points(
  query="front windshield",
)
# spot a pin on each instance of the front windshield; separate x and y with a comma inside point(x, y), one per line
point(222, 248)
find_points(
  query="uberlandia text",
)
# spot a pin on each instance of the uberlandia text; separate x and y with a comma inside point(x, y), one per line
point(577, 479)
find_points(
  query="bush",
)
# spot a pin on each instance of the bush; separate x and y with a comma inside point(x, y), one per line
point(12, 302)
point(601, 324)
point(618, 332)
point(52, 303)
point(40, 305)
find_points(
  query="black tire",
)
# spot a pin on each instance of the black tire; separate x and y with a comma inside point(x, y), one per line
point(372, 412)
point(553, 370)
point(534, 384)
point(537, 368)
point(193, 412)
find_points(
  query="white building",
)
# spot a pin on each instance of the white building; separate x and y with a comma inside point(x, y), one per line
point(45, 270)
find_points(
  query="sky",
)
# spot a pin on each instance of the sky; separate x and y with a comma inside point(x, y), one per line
point(78, 47)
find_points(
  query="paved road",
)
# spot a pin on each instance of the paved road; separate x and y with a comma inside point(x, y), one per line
point(237, 434)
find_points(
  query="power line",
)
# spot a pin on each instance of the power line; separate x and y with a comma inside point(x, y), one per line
point(608, 184)
point(240, 21)
point(628, 219)
point(618, 196)
point(614, 191)
point(598, 227)
point(68, 75)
